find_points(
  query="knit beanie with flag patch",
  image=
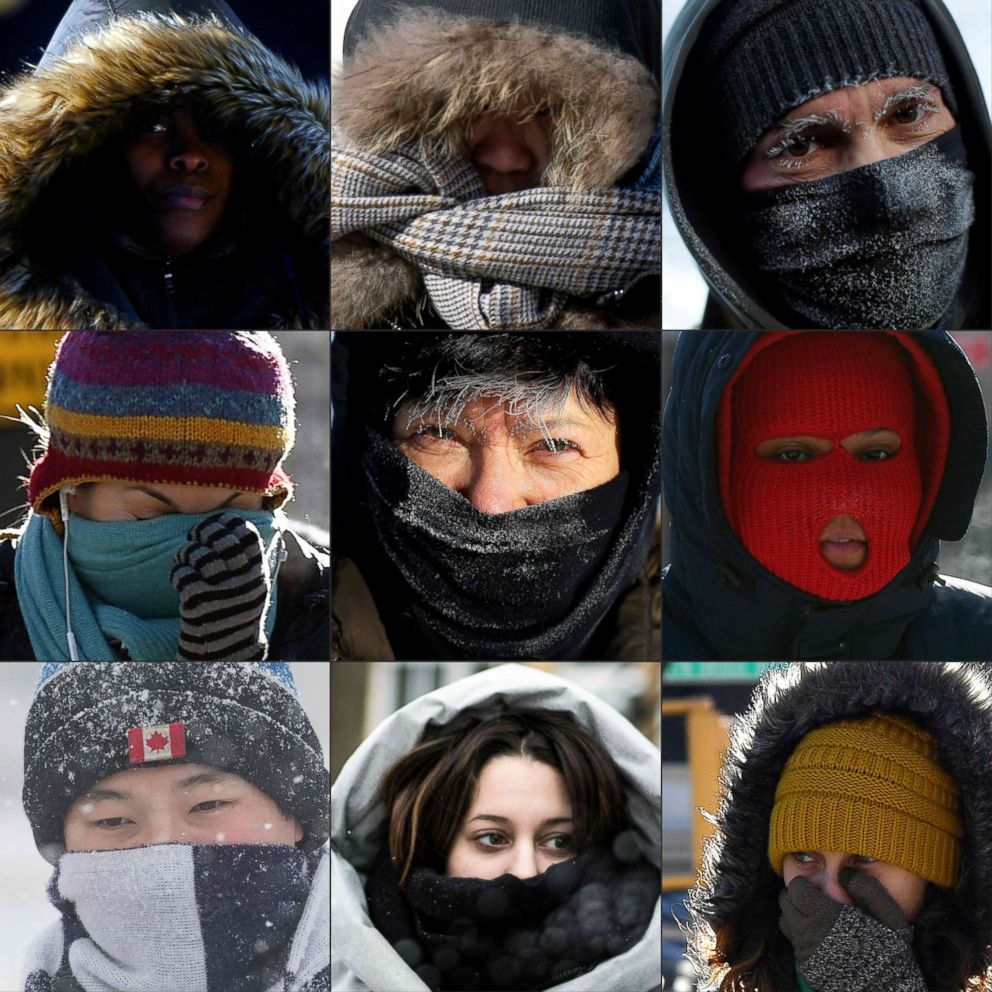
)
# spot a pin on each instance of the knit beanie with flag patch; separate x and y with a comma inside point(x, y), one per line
point(91, 720)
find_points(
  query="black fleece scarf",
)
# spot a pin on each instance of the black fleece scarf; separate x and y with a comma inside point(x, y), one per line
point(532, 583)
point(510, 934)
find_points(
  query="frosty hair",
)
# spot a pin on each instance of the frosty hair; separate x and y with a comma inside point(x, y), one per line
point(532, 378)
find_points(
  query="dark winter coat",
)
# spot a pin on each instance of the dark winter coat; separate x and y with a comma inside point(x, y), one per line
point(301, 629)
point(699, 207)
point(738, 891)
point(62, 269)
point(606, 113)
point(720, 603)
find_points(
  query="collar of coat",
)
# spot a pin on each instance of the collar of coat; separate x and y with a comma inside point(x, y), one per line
point(426, 75)
point(58, 114)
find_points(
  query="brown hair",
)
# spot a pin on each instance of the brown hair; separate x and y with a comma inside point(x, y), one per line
point(428, 791)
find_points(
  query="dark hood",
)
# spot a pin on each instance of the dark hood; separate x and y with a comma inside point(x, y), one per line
point(137, 55)
point(713, 582)
point(699, 215)
point(359, 358)
point(952, 701)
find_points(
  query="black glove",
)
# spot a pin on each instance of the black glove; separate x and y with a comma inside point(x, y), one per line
point(847, 949)
point(224, 590)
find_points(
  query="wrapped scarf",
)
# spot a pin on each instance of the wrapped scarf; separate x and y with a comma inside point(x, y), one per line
point(185, 918)
point(496, 262)
point(511, 934)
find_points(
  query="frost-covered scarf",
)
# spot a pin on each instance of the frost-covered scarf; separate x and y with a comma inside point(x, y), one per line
point(511, 934)
point(184, 918)
point(495, 262)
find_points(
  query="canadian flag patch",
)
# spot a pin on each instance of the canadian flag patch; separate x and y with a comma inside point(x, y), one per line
point(156, 743)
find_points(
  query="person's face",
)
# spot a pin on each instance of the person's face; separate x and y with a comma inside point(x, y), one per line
point(508, 155)
point(117, 501)
point(181, 175)
point(179, 804)
point(843, 542)
point(519, 822)
point(846, 129)
point(501, 462)
point(823, 867)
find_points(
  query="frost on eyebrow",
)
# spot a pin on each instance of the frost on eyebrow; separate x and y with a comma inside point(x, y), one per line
point(918, 91)
point(788, 126)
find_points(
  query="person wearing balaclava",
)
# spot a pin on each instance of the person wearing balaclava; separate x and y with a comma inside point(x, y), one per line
point(155, 529)
point(849, 185)
point(184, 809)
point(495, 496)
point(809, 476)
point(496, 165)
point(853, 845)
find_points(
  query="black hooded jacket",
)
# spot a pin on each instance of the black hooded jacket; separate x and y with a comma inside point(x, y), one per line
point(67, 261)
point(738, 890)
point(699, 201)
point(604, 98)
point(719, 602)
point(371, 610)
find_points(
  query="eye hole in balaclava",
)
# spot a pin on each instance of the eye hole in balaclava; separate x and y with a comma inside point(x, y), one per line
point(832, 385)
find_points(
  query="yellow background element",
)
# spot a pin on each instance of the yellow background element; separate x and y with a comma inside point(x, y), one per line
point(24, 360)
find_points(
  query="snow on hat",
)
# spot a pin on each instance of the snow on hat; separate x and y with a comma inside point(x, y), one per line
point(201, 408)
point(89, 720)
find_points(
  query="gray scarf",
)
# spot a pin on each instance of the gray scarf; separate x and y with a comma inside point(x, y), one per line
point(494, 262)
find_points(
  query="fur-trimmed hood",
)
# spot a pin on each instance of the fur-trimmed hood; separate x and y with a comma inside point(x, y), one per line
point(737, 887)
point(424, 73)
point(71, 105)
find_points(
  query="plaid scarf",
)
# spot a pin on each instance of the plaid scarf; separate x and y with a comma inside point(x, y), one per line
point(494, 262)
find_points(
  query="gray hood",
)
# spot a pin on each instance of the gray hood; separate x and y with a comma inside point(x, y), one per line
point(362, 960)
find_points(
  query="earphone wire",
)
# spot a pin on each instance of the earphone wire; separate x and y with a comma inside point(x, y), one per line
point(70, 637)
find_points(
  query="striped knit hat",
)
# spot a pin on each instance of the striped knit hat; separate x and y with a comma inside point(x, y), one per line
point(198, 408)
point(871, 787)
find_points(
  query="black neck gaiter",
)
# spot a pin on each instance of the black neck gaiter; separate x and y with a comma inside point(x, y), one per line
point(532, 583)
point(511, 934)
point(878, 247)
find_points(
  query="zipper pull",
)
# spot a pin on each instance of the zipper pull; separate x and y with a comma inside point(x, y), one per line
point(170, 286)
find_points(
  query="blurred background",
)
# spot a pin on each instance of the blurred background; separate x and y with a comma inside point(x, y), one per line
point(24, 362)
point(24, 874)
point(363, 694)
point(299, 36)
point(340, 12)
point(970, 558)
point(684, 289)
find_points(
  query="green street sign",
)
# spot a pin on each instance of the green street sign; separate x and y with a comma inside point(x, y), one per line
point(718, 671)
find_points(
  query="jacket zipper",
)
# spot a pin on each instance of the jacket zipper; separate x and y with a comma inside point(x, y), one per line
point(168, 276)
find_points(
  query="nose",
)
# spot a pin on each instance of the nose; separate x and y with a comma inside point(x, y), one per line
point(524, 862)
point(502, 150)
point(189, 155)
point(494, 483)
point(166, 829)
point(829, 884)
point(869, 148)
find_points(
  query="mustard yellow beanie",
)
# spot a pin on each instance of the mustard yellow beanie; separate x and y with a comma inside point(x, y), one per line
point(872, 787)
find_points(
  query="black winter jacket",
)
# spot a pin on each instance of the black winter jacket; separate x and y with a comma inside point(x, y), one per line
point(302, 628)
point(719, 602)
point(738, 891)
point(699, 205)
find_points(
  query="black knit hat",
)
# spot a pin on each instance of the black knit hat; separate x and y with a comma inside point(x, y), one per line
point(762, 58)
point(89, 720)
point(632, 26)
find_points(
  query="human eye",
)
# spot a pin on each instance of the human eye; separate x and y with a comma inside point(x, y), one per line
point(213, 804)
point(864, 859)
point(560, 843)
point(556, 446)
point(500, 840)
point(111, 822)
point(431, 434)
point(914, 112)
point(792, 455)
point(803, 857)
point(152, 125)
point(876, 455)
point(794, 150)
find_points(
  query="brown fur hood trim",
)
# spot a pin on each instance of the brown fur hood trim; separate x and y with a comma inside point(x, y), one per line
point(427, 75)
point(57, 115)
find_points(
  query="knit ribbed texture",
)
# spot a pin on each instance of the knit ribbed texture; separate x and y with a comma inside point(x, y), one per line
point(829, 386)
point(206, 408)
point(769, 56)
point(873, 788)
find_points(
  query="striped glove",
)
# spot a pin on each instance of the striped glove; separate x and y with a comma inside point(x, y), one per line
point(224, 590)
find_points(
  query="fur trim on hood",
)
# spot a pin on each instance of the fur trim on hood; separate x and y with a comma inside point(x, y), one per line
point(58, 114)
point(737, 889)
point(426, 75)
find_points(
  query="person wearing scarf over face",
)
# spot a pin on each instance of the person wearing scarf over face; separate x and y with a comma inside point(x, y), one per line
point(810, 476)
point(828, 164)
point(501, 833)
point(184, 809)
point(495, 496)
point(496, 165)
point(156, 531)
point(853, 850)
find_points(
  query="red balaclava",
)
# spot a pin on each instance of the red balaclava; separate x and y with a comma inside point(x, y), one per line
point(828, 385)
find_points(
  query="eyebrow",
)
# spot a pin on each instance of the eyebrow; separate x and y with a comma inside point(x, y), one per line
point(917, 91)
point(504, 819)
point(202, 778)
point(161, 497)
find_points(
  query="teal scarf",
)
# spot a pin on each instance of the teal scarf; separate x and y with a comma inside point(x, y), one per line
point(804, 986)
point(119, 584)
